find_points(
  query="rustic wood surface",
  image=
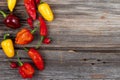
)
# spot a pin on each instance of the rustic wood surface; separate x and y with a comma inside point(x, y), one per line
point(86, 41)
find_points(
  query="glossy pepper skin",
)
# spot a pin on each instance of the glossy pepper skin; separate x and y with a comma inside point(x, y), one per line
point(43, 31)
point(11, 4)
point(11, 20)
point(8, 47)
point(36, 57)
point(23, 37)
point(25, 69)
point(45, 10)
point(30, 8)
point(37, 1)
point(30, 22)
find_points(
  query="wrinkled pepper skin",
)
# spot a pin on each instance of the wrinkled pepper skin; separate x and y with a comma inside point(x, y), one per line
point(23, 37)
point(30, 8)
point(26, 70)
point(37, 58)
point(8, 48)
point(11, 4)
point(45, 10)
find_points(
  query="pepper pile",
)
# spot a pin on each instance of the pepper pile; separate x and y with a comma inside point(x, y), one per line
point(25, 36)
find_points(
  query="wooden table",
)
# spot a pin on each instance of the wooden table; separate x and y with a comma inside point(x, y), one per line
point(86, 41)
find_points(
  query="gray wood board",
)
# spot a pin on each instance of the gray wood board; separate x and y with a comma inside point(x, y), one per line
point(85, 41)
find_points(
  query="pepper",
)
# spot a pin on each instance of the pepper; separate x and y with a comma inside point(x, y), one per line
point(37, 1)
point(11, 20)
point(13, 65)
point(7, 46)
point(30, 8)
point(24, 36)
point(45, 10)
point(11, 4)
point(30, 22)
point(36, 57)
point(47, 40)
point(25, 69)
point(43, 31)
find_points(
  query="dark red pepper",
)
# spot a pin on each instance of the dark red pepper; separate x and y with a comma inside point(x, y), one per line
point(30, 8)
point(43, 30)
point(37, 1)
point(30, 22)
point(25, 70)
point(13, 65)
point(36, 57)
point(11, 20)
point(47, 40)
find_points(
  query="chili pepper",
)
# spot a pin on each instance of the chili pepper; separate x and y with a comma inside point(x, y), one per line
point(30, 8)
point(11, 4)
point(36, 57)
point(24, 36)
point(45, 10)
point(30, 22)
point(43, 31)
point(37, 1)
point(47, 40)
point(7, 46)
point(25, 69)
point(11, 20)
point(13, 65)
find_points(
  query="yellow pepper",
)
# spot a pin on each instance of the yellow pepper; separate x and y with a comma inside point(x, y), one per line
point(45, 11)
point(7, 46)
point(11, 4)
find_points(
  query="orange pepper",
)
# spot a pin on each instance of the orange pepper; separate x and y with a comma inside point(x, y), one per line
point(24, 36)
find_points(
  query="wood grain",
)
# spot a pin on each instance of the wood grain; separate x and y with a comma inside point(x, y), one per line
point(86, 41)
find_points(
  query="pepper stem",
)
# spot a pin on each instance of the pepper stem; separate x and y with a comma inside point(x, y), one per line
point(41, 2)
point(5, 36)
point(26, 49)
point(19, 61)
point(39, 43)
point(35, 29)
point(3, 13)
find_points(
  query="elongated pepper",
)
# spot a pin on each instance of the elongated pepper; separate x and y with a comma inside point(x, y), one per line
point(45, 10)
point(8, 47)
point(43, 31)
point(30, 8)
point(11, 4)
point(36, 57)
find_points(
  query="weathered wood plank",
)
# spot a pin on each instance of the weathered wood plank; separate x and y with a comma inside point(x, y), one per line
point(68, 65)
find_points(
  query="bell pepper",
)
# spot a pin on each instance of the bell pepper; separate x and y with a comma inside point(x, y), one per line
point(43, 31)
point(24, 36)
point(30, 8)
point(25, 69)
point(7, 46)
point(11, 4)
point(36, 58)
point(45, 10)
point(11, 20)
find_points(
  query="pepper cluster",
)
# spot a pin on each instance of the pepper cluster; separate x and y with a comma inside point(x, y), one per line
point(25, 36)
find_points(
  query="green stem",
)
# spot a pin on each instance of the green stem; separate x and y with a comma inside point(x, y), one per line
point(5, 36)
point(39, 43)
point(35, 29)
point(19, 61)
point(41, 2)
point(26, 49)
point(3, 13)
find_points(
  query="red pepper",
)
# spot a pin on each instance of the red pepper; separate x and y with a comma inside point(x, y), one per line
point(37, 1)
point(36, 57)
point(31, 8)
point(24, 36)
point(47, 40)
point(13, 65)
point(25, 70)
point(30, 22)
point(43, 30)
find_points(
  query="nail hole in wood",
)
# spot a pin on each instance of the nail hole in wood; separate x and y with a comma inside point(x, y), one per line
point(84, 59)
point(92, 63)
point(98, 60)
